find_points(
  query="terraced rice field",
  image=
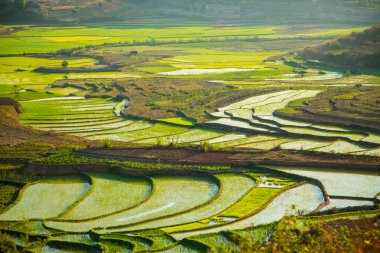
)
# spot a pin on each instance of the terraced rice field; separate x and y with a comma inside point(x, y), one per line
point(130, 206)
point(99, 119)
point(342, 183)
point(106, 192)
point(302, 199)
point(151, 213)
point(233, 188)
point(162, 203)
point(257, 115)
point(46, 198)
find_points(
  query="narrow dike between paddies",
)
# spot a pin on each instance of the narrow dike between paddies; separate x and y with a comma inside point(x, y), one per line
point(165, 200)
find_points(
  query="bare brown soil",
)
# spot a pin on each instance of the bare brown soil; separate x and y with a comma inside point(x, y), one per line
point(235, 158)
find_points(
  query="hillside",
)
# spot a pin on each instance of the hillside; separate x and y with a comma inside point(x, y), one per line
point(149, 11)
point(356, 50)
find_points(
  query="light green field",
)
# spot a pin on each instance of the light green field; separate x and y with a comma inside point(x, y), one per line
point(270, 106)
point(340, 147)
point(316, 132)
point(233, 143)
point(259, 99)
point(51, 39)
point(12, 64)
point(179, 121)
point(117, 134)
point(110, 192)
point(190, 136)
point(156, 130)
point(165, 200)
point(251, 202)
point(39, 80)
point(304, 145)
point(47, 198)
point(265, 145)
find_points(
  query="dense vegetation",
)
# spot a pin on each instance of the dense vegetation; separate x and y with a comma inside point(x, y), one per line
point(355, 51)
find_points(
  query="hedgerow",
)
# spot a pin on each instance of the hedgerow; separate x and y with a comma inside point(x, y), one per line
point(76, 159)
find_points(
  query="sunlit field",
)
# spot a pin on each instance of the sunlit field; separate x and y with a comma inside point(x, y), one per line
point(217, 136)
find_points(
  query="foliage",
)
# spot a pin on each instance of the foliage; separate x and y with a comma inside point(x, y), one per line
point(8, 194)
point(289, 236)
point(7, 245)
point(64, 64)
point(75, 159)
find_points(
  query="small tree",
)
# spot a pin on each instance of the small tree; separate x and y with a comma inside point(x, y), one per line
point(16, 91)
point(64, 64)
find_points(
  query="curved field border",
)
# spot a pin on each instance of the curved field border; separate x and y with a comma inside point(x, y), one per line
point(129, 239)
point(306, 179)
point(211, 177)
point(207, 206)
point(63, 244)
point(60, 217)
point(102, 216)
point(345, 215)
point(107, 249)
point(242, 218)
point(27, 185)
point(189, 233)
point(102, 225)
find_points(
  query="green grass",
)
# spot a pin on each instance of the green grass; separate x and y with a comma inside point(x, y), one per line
point(165, 200)
point(110, 192)
point(251, 202)
point(46, 199)
point(179, 121)
point(75, 159)
point(8, 193)
point(12, 64)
